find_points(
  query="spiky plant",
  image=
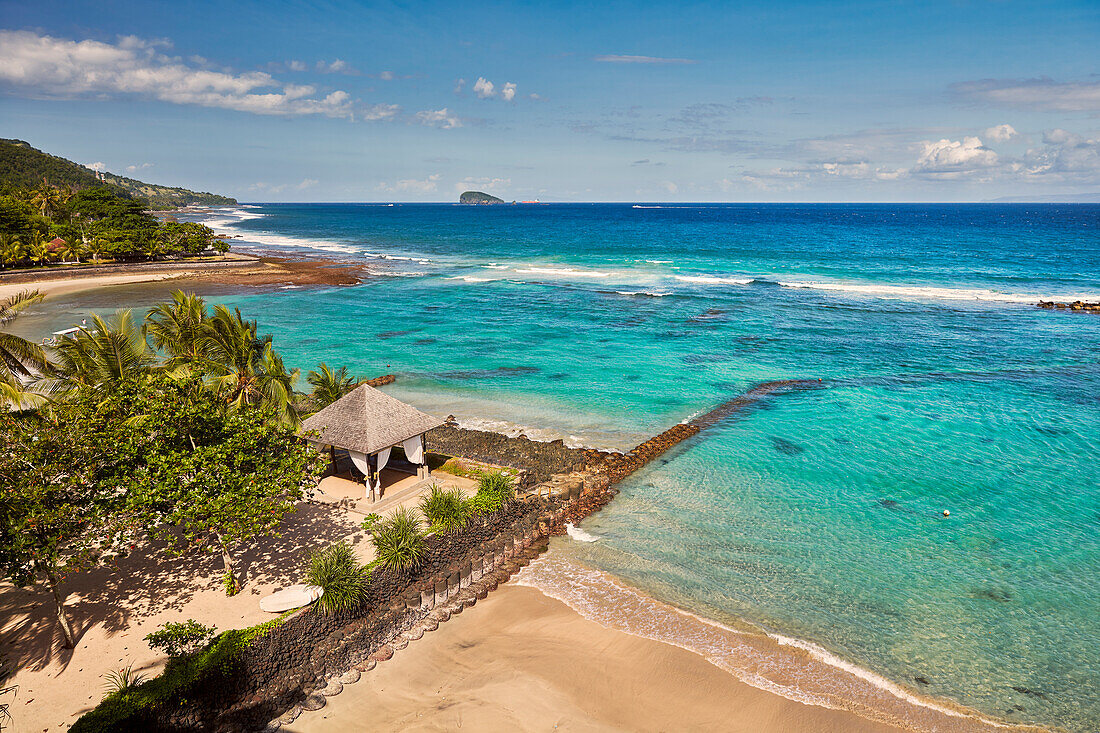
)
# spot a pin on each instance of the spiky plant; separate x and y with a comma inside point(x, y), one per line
point(497, 484)
point(336, 570)
point(121, 680)
point(104, 353)
point(444, 509)
point(178, 327)
point(399, 541)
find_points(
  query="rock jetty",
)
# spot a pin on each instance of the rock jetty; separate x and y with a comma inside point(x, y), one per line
point(1077, 305)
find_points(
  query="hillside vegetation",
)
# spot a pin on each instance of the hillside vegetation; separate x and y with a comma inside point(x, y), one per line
point(478, 197)
point(22, 166)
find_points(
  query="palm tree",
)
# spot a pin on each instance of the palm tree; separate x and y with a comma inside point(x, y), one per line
point(47, 199)
point(245, 368)
point(11, 249)
point(20, 360)
point(106, 352)
point(179, 328)
point(329, 385)
point(71, 249)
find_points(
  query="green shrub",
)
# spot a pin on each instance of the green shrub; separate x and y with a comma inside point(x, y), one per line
point(178, 638)
point(483, 503)
point(399, 541)
point(444, 509)
point(135, 707)
point(338, 572)
point(499, 484)
point(370, 522)
point(230, 584)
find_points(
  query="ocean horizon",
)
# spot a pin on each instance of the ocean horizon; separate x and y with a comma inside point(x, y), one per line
point(812, 525)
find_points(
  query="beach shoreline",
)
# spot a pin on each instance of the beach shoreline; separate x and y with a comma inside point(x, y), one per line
point(240, 270)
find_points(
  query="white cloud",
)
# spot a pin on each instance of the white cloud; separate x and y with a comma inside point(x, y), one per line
point(460, 85)
point(483, 184)
point(441, 118)
point(954, 158)
point(484, 88)
point(508, 91)
point(295, 65)
point(412, 185)
point(138, 167)
point(1043, 93)
point(1066, 155)
point(307, 183)
point(1000, 133)
point(58, 67)
point(626, 59)
point(670, 187)
point(386, 76)
point(98, 166)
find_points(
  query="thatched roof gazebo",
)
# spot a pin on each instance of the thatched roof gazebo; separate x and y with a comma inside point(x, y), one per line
point(367, 424)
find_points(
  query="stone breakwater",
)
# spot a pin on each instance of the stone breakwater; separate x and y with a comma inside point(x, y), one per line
point(379, 381)
point(1077, 305)
point(311, 656)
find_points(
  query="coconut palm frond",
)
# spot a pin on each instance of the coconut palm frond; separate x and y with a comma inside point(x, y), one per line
point(16, 304)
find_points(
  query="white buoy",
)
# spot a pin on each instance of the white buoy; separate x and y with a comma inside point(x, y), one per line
point(946, 513)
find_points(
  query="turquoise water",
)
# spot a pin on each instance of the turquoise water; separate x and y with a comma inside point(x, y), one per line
point(818, 514)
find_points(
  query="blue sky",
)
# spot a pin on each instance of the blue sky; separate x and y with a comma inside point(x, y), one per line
point(774, 101)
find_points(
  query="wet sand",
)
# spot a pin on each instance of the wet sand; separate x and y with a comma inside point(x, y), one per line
point(522, 661)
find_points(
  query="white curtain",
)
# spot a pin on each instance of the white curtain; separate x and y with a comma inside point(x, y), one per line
point(414, 449)
point(383, 459)
point(360, 461)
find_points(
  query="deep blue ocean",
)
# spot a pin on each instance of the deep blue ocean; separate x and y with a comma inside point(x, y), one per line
point(816, 520)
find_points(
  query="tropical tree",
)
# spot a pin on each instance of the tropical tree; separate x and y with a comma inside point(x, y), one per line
point(55, 517)
point(104, 353)
point(47, 199)
point(329, 385)
point(179, 328)
point(21, 361)
point(71, 251)
point(244, 368)
point(211, 477)
point(11, 249)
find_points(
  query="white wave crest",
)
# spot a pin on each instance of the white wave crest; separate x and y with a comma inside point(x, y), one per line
point(563, 272)
point(920, 292)
point(579, 534)
point(713, 280)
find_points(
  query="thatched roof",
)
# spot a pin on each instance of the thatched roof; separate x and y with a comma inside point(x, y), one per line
point(367, 420)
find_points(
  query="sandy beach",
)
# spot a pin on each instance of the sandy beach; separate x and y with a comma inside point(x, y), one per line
point(520, 660)
point(245, 271)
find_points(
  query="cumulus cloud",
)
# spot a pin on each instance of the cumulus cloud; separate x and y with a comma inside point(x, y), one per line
point(138, 167)
point(627, 59)
point(277, 188)
point(441, 118)
point(484, 88)
point(460, 85)
point(413, 185)
point(1064, 154)
point(295, 65)
point(337, 66)
point(98, 166)
point(1000, 133)
point(48, 66)
point(483, 184)
point(1042, 93)
point(954, 158)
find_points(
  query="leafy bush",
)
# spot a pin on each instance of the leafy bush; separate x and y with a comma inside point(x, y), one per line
point(134, 707)
point(371, 522)
point(483, 503)
point(230, 584)
point(121, 680)
point(399, 541)
point(499, 484)
point(444, 509)
point(179, 638)
point(338, 572)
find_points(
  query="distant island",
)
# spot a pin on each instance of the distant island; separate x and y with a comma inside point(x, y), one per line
point(478, 197)
point(23, 166)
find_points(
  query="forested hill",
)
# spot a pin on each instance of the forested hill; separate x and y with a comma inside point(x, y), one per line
point(22, 165)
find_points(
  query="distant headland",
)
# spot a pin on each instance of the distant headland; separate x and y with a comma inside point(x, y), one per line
point(478, 197)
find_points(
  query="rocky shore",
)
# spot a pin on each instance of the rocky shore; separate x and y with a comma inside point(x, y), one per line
point(1077, 305)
